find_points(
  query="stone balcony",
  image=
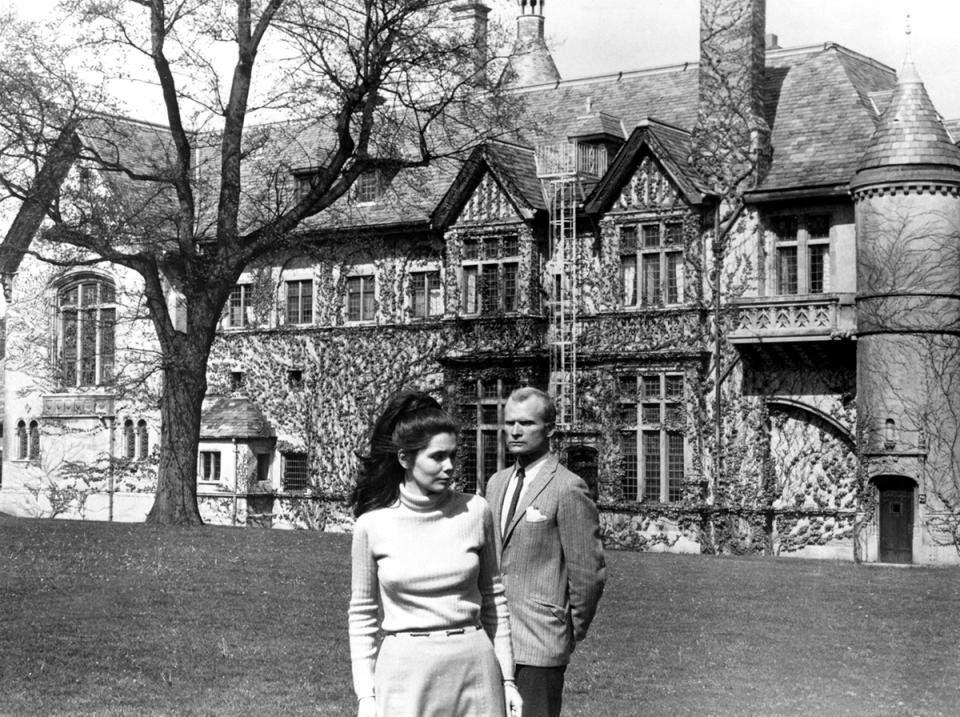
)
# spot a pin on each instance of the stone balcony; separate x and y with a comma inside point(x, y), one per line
point(771, 319)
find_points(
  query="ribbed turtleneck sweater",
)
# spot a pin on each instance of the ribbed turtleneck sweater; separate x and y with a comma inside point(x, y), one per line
point(429, 563)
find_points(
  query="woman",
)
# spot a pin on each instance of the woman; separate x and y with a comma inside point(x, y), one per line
point(425, 578)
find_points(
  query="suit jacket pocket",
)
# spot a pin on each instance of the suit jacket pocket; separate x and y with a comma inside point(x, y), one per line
point(558, 612)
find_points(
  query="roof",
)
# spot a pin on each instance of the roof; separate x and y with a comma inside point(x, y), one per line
point(910, 133)
point(227, 417)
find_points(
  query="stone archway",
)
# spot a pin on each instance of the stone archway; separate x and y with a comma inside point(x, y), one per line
point(896, 518)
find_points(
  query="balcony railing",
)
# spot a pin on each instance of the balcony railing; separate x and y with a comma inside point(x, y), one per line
point(554, 160)
point(793, 318)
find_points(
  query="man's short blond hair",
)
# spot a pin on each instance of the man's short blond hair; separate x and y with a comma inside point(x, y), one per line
point(521, 394)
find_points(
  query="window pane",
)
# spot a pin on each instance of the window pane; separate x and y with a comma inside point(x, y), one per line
point(490, 461)
point(651, 413)
point(628, 453)
point(628, 240)
point(295, 471)
point(418, 295)
point(511, 247)
point(353, 298)
point(471, 249)
point(70, 347)
point(21, 440)
point(818, 226)
point(650, 386)
point(628, 278)
point(674, 276)
point(627, 386)
point(471, 305)
point(674, 386)
point(237, 315)
point(509, 287)
point(490, 290)
point(34, 440)
point(651, 465)
point(674, 466)
point(434, 294)
point(819, 255)
point(628, 414)
point(785, 228)
point(787, 270)
point(88, 347)
point(129, 440)
point(651, 236)
point(491, 247)
point(651, 279)
point(673, 233)
point(467, 457)
point(106, 330)
point(143, 440)
point(369, 298)
point(488, 415)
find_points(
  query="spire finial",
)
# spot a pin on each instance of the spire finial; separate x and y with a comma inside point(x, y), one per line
point(909, 72)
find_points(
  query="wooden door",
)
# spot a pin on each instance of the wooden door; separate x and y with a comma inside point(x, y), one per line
point(896, 525)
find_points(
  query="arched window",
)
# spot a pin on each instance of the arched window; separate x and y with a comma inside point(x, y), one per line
point(86, 319)
point(22, 450)
point(143, 440)
point(129, 440)
point(33, 451)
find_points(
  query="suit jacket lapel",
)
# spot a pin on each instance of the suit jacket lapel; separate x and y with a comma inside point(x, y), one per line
point(544, 476)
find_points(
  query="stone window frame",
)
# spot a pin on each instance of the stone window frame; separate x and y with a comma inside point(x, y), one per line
point(238, 311)
point(209, 466)
point(27, 439)
point(295, 473)
point(795, 233)
point(415, 275)
point(655, 243)
point(490, 259)
point(481, 405)
point(367, 276)
point(94, 362)
point(136, 440)
point(305, 313)
point(651, 405)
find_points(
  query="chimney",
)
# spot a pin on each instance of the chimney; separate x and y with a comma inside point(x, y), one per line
point(772, 41)
point(471, 20)
point(731, 139)
point(530, 62)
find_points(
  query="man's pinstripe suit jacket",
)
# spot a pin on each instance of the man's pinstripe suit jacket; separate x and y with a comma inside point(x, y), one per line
point(552, 562)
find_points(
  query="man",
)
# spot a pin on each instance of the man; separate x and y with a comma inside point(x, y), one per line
point(551, 557)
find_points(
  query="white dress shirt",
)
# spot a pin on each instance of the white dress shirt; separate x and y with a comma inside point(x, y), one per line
point(529, 474)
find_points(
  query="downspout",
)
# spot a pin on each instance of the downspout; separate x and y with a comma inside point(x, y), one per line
point(109, 422)
point(236, 478)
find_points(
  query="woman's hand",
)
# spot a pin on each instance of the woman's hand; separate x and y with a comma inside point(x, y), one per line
point(367, 707)
point(512, 697)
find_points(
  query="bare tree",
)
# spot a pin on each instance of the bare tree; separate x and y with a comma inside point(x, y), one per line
point(362, 86)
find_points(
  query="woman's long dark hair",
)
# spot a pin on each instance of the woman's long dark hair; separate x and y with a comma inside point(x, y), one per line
point(408, 421)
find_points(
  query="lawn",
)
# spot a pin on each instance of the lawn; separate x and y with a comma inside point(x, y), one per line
point(114, 619)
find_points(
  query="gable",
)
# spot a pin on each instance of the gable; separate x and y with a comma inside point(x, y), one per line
point(648, 188)
point(487, 203)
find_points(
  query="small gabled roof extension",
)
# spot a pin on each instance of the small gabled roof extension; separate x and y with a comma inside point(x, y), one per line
point(669, 145)
point(225, 417)
point(512, 166)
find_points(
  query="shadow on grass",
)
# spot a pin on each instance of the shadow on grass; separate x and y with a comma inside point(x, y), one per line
point(120, 619)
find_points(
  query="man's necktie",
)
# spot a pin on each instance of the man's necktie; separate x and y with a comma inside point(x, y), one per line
point(516, 495)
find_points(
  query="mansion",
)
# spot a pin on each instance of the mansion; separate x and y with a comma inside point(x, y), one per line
point(768, 369)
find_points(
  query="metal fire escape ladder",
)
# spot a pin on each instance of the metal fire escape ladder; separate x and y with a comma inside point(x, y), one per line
point(563, 319)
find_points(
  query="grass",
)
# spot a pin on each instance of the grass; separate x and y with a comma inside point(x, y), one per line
point(114, 619)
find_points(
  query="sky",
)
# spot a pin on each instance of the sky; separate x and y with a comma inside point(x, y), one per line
point(596, 37)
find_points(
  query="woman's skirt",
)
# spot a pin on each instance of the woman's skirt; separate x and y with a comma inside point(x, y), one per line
point(438, 675)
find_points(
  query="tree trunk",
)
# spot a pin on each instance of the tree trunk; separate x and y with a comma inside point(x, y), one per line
point(185, 384)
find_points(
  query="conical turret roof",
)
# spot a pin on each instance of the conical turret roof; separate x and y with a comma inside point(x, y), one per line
point(911, 135)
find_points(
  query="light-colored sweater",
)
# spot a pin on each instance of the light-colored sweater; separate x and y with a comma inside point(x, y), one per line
point(425, 564)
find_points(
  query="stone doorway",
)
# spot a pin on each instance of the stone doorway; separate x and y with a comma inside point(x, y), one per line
point(896, 516)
